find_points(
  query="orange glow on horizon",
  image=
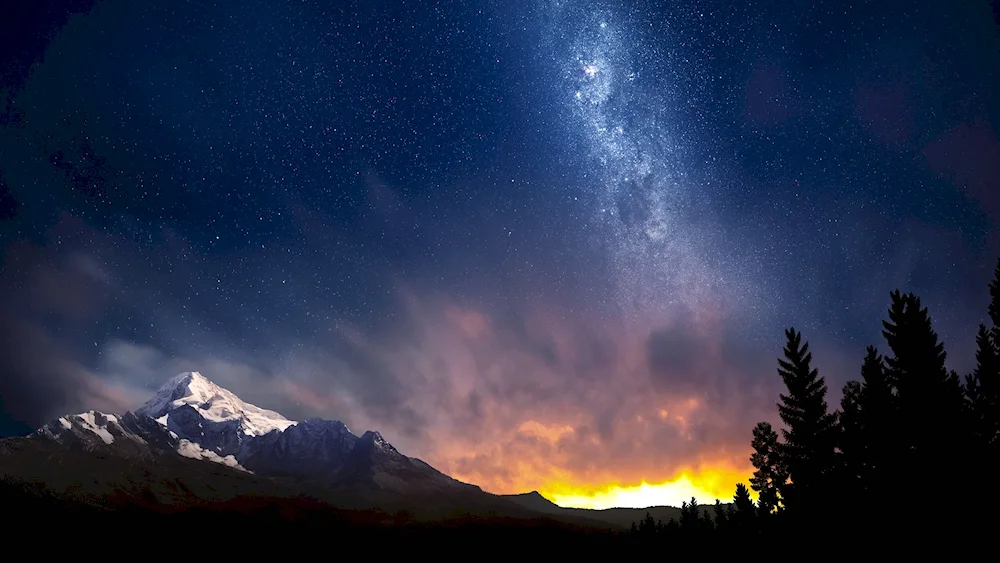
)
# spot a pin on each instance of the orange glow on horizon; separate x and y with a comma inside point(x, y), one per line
point(542, 454)
point(705, 486)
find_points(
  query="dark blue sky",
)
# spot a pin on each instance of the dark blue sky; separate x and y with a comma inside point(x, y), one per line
point(605, 208)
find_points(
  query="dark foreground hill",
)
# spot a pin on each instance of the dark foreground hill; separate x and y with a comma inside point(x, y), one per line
point(46, 524)
point(617, 517)
point(104, 479)
point(262, 526)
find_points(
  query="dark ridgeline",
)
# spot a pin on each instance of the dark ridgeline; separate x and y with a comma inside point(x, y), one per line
point(881, 475)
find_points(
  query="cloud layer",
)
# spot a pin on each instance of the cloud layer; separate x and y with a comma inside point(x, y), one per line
point(534, 398)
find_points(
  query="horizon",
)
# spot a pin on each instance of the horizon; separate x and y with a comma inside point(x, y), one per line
point(544, 246)
point(672, 494)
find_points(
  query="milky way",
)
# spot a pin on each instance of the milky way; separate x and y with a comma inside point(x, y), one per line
point(619, 91)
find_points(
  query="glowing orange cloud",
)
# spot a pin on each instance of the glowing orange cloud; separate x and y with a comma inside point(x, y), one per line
point(536, 457)
point(566, 405)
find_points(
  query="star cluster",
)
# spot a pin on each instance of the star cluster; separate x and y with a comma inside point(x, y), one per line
point(622, 104)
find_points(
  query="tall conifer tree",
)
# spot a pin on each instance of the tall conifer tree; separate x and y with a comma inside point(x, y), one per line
point(917, 369)
point(866, 428)
point(982, 389)
point(852, 436)
point(691, 515)
point(878, 413)
point(743, 513)
point(721, 517)
point(742, 502)
point(928, 433)
point(770, 474)
point(810, 437)
point(987, 374)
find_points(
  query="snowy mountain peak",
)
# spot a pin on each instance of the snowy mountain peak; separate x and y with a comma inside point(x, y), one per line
point(212, 403)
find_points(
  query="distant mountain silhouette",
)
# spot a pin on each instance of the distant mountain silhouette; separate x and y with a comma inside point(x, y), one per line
point(535, 501)
point(618, 517)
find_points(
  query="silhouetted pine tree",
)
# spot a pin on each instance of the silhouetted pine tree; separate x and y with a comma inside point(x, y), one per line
point(852, 437)
point(983, 386)
point(648, 526)
point(721, 516)
point(743, 514)
point(707, 523)
point(808, 449)
point(983, 390)
point(972, 393)
point(868, 410)
point(770, 474)
point(689, 516)
point(742, 502)
point(672, 528)
point(929, 431)
point(989, 386)
point(848, 477)
point(696, 523)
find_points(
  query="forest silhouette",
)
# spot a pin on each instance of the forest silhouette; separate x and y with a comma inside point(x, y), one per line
point(911, 441)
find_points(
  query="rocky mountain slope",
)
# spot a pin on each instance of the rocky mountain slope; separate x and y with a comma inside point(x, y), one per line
point(195, 418)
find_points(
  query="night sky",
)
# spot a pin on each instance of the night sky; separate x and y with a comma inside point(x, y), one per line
point(539, 244)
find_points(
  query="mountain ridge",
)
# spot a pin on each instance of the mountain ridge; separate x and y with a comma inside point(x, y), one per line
point(193, 434)
point(193, 417)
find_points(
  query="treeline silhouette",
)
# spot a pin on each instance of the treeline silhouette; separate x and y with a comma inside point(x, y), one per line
point(908, 457)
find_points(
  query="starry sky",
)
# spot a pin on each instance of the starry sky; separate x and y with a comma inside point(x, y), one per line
point(542, 244)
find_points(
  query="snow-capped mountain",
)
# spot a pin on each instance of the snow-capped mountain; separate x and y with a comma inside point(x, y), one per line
point(195, 418)
point(212, 404)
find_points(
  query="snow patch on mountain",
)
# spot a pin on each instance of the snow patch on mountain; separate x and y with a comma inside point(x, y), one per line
point(192, 450)
point(213, 403)
point(87, 423)
point(378, 441)
point(97, 422)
